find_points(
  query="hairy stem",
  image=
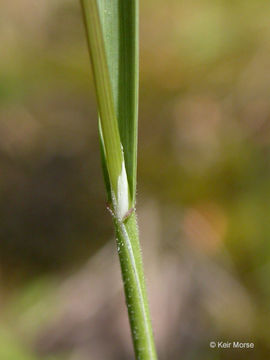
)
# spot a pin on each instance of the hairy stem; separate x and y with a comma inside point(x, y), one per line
point(134, 284)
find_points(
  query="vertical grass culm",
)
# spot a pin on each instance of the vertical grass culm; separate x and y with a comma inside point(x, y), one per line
point(112, 36)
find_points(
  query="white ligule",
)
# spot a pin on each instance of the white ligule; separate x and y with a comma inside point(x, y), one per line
point(122, 193)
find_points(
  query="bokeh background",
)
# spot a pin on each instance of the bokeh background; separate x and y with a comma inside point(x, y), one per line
point(203, 184)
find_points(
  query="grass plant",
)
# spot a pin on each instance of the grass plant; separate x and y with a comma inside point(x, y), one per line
point(112, 36)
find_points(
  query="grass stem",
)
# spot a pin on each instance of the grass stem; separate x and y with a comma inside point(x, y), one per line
point(112, 34)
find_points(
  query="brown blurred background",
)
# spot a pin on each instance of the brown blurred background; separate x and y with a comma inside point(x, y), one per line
point(203, 184)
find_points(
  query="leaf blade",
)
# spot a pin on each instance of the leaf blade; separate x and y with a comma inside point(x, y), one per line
point(110, 141)
point(120, 29)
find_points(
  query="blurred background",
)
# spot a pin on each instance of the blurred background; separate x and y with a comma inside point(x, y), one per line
point(203, 184)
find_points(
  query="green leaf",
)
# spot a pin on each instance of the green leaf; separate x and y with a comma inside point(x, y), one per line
point(109, 131)
point(119, 20)
point(120, 28)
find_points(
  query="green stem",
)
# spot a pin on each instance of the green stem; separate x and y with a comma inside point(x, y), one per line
point(134, 284)
point(118, 135)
